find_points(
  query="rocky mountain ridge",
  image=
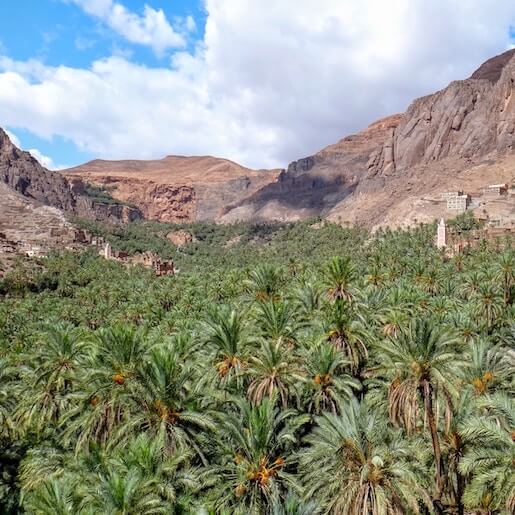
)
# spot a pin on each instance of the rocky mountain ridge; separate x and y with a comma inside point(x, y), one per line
point(382, 175)
point(175, 188)
point(24, 174)
point(392, 173)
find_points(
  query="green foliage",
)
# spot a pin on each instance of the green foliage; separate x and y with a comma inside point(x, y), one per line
point(290, 369)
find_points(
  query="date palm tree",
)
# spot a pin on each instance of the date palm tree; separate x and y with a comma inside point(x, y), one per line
point(327, 385)
point(353, 465)
point(347, 333)
point(227, 332)
point(421, 368)
point(255, 449)
point(490, 461)
point(53, 375)
point(277, 320)
point(273, 373)
point(339, 277)
point(264, 282)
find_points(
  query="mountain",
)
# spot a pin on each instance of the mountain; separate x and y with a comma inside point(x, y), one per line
point(21, 172)
point(175, 188)
point(393, 173)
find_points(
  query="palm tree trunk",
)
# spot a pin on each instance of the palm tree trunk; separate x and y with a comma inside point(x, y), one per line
point(460, 487)
point(428, 407)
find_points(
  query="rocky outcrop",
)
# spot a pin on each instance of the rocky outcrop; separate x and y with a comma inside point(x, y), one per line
point(101, 212)
point(469, 118)
point(22, 172)
point(312, 186)
point(25, 175)
point(180, 238)
point(176, 188)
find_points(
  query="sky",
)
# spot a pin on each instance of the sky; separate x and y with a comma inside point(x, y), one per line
point(261, 82)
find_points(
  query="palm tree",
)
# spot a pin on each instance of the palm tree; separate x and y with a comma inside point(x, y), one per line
point(455, 445)
point(264, 281)
point(505, 274)
point(490, 461)
point(54, 497)
point(227, 333)
point(105, 402)
point(421, 367)
point(53, 376)
point(489, 369)
point(166, 403)
point(175, 479)
point(127, 493)
point(339, 276)
point(273, 373)
point(294, 505)
point(277, 320)
point(353, 465)
point(346, 332)
point(488, 304)
point(327, 385)
point(255, 454)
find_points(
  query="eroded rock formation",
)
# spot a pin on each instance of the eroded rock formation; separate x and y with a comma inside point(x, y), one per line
point(176, 188)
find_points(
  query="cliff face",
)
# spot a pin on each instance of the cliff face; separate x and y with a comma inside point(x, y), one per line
point(23, 173)
point(176, 188)
point(393, 172)
point(467, 119)
point(20, 171)
point(312, 186)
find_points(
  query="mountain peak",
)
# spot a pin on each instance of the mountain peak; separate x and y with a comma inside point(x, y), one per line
point(492, 68)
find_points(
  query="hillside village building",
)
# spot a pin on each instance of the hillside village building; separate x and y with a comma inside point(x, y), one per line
point(457, 201)
point(150, 260)
point(450, 194)
point(496, 190)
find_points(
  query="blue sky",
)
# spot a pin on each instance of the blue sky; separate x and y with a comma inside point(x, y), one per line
point(261, 82)
point(57, 33)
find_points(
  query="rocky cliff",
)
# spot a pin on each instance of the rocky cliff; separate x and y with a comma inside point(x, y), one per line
point(312, 186)
point(176, 188)
point(467, 119)
point(461, 137)
point(25, 175)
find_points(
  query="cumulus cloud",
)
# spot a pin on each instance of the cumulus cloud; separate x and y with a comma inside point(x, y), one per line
point(151, 29)
point(269, 82)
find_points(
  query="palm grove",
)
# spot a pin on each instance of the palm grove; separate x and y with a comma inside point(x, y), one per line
point(268, 377)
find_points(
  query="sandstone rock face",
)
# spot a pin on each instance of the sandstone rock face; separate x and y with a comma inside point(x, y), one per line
point(467, 119)
point(176, 188)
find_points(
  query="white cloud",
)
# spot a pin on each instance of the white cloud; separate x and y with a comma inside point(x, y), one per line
point(46, 161)
point(269, 83)
point(151, 28)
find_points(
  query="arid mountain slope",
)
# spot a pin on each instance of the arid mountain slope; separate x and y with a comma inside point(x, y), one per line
point(313, 185)
point(392, 173)
point(22, 173)
point(462, 136)
point(175, 188)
